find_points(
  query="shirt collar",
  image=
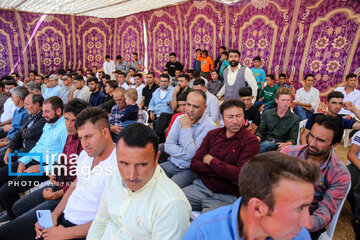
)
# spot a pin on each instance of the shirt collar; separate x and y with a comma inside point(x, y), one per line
point(59, 121)
point(201, 120)
point(287, 114)
point(325, 163)
point(236, 135)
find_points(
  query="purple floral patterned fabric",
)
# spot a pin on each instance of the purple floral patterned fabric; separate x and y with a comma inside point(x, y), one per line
point(163, 36)
point(130, 37)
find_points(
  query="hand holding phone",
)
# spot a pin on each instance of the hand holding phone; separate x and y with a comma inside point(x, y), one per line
point(44, 218)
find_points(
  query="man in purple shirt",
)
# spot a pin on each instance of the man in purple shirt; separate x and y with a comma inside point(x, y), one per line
point(48, 197)
point(219, 160)
point(334, 181)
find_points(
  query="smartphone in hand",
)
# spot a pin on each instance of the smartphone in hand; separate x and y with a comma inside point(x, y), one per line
point(44, 218)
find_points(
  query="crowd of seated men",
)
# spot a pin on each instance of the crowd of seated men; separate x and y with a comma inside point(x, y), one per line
point(123, 154)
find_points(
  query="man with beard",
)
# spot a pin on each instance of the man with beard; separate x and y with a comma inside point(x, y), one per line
point(335, 102)
point(79, 90)
point(334, 181)
point(185, 137)
point(235, 77)
point(48, 197)
point(182, 87)
point(50, 145)
point(97, 97)
point(218, 161)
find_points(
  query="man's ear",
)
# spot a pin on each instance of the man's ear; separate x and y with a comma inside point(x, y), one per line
point(258, 207)
point(157, 157)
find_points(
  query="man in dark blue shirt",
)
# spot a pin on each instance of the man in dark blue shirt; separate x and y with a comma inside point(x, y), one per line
point(97, 97)
point(334, 103)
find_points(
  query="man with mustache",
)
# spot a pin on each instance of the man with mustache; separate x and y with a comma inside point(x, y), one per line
point(219, 160)
point(235, 77)
point(77, 209)
point(50, 145)
point(185, 137)
point(334, 181)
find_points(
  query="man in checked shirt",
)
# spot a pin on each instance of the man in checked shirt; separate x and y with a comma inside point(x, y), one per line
point(334, 181)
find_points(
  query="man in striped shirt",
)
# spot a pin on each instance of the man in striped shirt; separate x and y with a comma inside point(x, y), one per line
point(334, 181)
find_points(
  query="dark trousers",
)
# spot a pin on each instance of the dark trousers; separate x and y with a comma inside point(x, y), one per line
point(316, 235)
point(161, 124)
point(12, 186)
point(354, 198)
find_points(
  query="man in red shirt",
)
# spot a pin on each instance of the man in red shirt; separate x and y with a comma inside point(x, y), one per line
point(219, 160)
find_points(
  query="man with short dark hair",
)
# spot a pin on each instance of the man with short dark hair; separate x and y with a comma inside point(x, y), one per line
point(252, 115)
point(278, 126)
point(307, 99)
point(77, 209)
point(3, 97)
point(97, 97)
point(267, 95)
point(282, 81)
point(148, 90)
point(109, 67)
point(139, 86)
point(48, 197)
point(335, 103)
point(136, 63)
point(9, 106)
point(65, 90)
point(334, 181)
point(275, 208)
point(79, 89)
point(183, 86)
point(185, 137)
point(121, 65)
point(219, 160)
point(50, 145)
point(16, 78)
point(137, 182)
point(161, 98)
point(235, 77)
point(121, 78)
point(351, 94)
point(212, 103)
point(173, 65)
point(110, 86)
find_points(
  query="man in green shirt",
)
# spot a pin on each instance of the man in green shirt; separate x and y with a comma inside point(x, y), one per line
point(279, 126)
point(267, 94)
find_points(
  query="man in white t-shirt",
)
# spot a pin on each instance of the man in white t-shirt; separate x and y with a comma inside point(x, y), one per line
point(77, 209)
point(351, 94)
point(109, 66)
point(9, 106)
point(80, 90)
point(138, 86)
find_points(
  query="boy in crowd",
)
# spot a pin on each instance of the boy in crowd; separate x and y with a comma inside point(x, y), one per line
point(259, 73)
point(197, 63)
point(207, 64)
point(267, 94)
point(131, 110)
point(252, 115)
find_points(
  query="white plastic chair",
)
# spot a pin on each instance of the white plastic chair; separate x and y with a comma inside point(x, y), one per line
point(194, 215)
point(301, 125)
point(146, 117)
point(329, 234)
point(347, 142)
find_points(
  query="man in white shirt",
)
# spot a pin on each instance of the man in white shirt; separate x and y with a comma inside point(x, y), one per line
point(120, 77)
point(139, 200)
point(80, 90)
point(109, 66)
point(235, 77)
point(9, 106)
point(212, 109)
point(138, 86)
point(77, 209)
point(306, 99)
point(351, 94)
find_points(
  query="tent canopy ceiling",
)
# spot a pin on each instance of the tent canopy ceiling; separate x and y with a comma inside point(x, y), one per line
point(95, 8)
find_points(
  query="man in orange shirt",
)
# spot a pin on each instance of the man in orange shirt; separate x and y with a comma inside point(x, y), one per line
point(207, 64)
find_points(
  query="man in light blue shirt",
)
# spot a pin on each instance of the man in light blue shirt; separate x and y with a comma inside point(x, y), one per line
point(50, 145)
point(185, 137)
point(276, 192)
point(52, 89)
point(161, 98)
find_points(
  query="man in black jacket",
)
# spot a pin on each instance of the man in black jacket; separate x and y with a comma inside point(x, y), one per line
point(29, 133)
